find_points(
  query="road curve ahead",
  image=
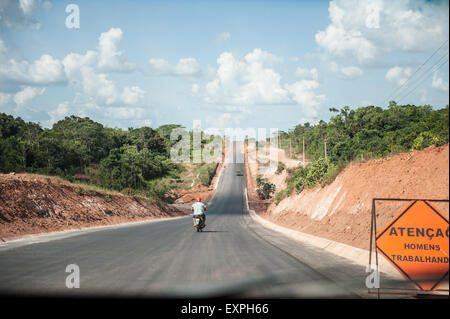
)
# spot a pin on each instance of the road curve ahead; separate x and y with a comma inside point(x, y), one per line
point(168, 258)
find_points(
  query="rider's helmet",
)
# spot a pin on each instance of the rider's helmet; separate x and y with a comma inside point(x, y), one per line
point(199, 199)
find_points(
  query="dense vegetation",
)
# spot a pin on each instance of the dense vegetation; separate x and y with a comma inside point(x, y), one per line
point(264, 189)
point(360, 134)
point(79, 149)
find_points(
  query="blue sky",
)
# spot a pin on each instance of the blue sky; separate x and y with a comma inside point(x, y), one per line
point(226, 63)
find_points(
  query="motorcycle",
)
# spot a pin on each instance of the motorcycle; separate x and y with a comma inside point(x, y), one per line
point(198, 223)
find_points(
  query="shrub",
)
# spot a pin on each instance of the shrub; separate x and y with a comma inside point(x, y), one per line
point(207, 172)
point(424, 140)
point(280, 168)
point(265, 189)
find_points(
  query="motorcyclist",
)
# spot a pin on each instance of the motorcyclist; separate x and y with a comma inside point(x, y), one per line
point(199, 210)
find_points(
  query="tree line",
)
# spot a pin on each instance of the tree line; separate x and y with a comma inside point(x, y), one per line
point(370, 132)
point(360, 134)
point(80, 149)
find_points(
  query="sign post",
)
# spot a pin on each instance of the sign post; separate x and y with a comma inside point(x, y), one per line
point(415, 242)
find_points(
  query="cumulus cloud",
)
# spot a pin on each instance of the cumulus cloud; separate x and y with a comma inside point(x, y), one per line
point(253, 80)
point(246, 81)
point(89, 71)
point(346, 72)
point(105, 91)
point(74, 66)
point(439, 83)
point(45, 70)
point(132, 95)
point(184, 66)
point(307, 73)
point(93, 109)
point(366, 29)
point(351, 72)
point(223, 121)
point(398, 75)
point(59, 113)
point(74, 62)
point(110, 59)
point(18, 14)
point(27, 6)
point(26, 95)
point(304, 94)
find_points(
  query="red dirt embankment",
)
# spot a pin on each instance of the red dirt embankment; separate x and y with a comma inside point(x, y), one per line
point(341, 211)
point(32, 204)
point(35, 204)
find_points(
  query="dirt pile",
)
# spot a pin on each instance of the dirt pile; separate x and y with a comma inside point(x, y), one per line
point(188, 196)
point(341, 211)
point(35, 203)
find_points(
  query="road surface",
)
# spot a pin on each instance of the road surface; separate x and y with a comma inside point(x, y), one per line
point(168, 258)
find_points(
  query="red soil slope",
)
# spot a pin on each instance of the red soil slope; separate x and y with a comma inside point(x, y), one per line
point(341, 211)
point(35, 203)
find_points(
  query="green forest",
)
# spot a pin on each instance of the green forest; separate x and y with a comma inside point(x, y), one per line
point(359, 134)
point(80, 150)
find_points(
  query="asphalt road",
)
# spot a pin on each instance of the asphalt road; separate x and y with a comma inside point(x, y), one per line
point(169, 258)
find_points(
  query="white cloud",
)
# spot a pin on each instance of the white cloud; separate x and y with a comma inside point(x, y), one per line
point(125, 113)
point(260, 57)
point(160, 65)
point(88, 71)
point(223, 121)
point(246, 81)
point(26, 6)
point(17, 14)
point(187, 66)
point(366, 29)
point(307, 73)
point(74, 62)
point(105, 91)
point(352, 72)
point(398, 75)
point(346, 72)
point(439, 83)
point(60, 112)
point(254, 81)
point(46, 70)
point(26, 95)
point(99, 86)
point(184, 66)
point(90, 108)
point(132, 95)
point(110, 58)
point(224, 36)
point(304, 94)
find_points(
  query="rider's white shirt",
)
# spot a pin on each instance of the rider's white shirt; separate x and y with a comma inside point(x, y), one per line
point(199, 208)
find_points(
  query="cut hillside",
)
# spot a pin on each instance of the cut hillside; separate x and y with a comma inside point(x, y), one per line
point(35, 203)
point(341, 210)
